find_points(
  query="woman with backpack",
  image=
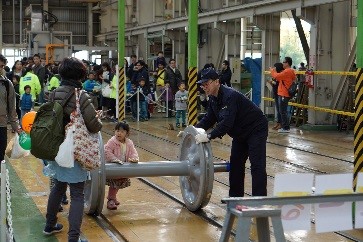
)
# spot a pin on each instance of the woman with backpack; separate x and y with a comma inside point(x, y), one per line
point(72, 71)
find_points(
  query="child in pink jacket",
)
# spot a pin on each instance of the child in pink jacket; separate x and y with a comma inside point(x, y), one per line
point(119, 149)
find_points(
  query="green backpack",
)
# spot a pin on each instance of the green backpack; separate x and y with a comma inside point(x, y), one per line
point(47, 132)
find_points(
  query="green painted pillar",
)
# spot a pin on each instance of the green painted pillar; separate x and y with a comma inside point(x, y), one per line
point(192, 61)
point(360, 34)
point(121, 62)
point(358, 118)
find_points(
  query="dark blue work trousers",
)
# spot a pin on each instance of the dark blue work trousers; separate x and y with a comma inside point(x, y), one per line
point(254, 148)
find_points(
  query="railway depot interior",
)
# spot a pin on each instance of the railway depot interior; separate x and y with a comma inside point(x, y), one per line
point(245, 32)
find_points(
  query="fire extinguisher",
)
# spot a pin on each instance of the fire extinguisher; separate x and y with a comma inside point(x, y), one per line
point(309, 78)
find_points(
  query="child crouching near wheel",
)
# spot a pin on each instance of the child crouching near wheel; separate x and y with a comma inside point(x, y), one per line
point(119, 149)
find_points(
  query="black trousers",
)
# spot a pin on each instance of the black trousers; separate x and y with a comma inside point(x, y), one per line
point(254, 148)
point(75, 210)
point(283, 103)
point(3, 142)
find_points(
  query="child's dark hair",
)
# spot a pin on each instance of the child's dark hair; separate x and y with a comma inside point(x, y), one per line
point(181, 83)
point(17, 78)
point(26, 87)
point(123, 125)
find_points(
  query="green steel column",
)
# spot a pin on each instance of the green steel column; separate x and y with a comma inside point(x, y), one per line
point(121, 62)
point(192, 60)
point(360, 34)
point(358, 119)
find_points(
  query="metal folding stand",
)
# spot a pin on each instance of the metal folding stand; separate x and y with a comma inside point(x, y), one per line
point(262, 208)
point(245, 216)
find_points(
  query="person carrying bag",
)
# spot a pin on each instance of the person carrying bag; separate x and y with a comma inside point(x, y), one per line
point(72, 71)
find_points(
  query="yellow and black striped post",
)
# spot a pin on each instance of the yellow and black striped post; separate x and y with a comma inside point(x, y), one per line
point(358, 127)
point(192, 96)
point(121, 62)
point(192, 61)
point(121, 93)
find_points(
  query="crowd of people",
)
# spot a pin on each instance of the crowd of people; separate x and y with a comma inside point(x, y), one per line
point(157, 86)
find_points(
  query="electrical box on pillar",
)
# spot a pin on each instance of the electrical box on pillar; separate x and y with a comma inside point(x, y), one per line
point(309, 78)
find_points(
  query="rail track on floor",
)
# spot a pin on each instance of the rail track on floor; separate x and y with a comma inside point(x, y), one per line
point(211, 218)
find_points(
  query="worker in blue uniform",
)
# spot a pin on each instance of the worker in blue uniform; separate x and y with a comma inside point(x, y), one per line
point(241, 119)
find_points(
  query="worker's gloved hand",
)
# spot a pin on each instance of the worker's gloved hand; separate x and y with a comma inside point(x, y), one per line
point(201, 138)
point(180, 134)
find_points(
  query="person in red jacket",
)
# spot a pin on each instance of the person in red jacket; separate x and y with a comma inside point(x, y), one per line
point(285, 79)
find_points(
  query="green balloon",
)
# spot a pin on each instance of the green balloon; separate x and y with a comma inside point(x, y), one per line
point(25, 141)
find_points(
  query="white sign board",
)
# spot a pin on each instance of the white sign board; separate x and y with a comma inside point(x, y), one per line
point(333, 216)
point(297, 216)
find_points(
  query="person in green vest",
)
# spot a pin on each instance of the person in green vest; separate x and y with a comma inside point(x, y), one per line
point(55, 80)
point(32, 80)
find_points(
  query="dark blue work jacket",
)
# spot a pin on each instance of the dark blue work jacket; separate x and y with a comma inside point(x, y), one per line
point(234, 114)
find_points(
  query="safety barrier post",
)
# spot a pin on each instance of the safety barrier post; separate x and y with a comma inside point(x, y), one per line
point(138, 104)
point(167, 102)
point(3, 201)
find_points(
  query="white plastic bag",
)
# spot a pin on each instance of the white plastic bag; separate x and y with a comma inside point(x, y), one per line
point(65, 156)
point(106, 90)
point(18, 151)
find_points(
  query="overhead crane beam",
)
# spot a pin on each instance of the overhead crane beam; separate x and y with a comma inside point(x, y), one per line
point(228, 13)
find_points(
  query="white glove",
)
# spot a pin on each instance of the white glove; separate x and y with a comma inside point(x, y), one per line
point(201, 138)
point(180, 134)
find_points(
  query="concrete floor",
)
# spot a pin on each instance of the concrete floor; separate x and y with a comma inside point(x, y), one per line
point(147, 215)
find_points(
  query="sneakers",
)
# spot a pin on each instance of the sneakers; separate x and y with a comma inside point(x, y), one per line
point(111, 205)
point(277, 126)
point(51, 230)
point(177, 125)
point(183, 125)
point(82, 240)
point(283, 130)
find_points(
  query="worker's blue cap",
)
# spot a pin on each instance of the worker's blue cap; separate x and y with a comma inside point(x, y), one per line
point(208, 74)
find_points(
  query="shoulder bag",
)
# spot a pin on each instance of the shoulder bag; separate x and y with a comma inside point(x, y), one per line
point(86, 144)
